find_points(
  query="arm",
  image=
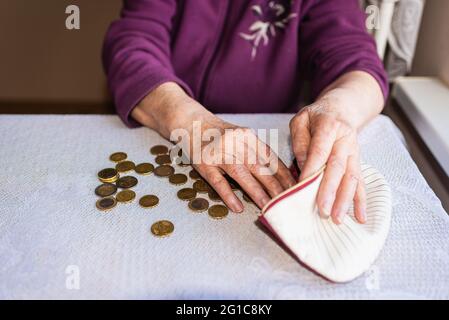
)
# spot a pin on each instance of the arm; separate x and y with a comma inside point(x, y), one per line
point(350, 85)
point(136, 53)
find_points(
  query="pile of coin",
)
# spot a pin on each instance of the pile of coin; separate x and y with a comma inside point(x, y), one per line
point(112, 181)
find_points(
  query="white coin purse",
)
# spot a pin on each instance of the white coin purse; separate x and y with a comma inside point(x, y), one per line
point(339, 253)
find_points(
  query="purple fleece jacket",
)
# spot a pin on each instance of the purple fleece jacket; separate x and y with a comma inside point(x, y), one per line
point(236, 56)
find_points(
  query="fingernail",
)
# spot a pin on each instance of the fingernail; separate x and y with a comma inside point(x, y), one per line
point(325, 211)
point(236, 205)
point(363, 215)
point(264, 201)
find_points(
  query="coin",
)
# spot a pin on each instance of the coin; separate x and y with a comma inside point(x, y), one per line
point(201, 186)
point(218, 211)
point(126, 182)
point(144, 168)
point(213, 195)
point(125, 196)
point(193, 174)
point(108, 175)
point(177, 179)
point(163, 159)
point(186, 194)
point(198, 205)
point(162, 228)
point(164, 171)
point(158, 150)
point(149, 201)
point(125, 166)
point(105, 190)
point(118, 156)
point(106, 203)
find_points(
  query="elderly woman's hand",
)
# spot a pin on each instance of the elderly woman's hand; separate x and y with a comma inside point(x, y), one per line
point(251, 163)
point(325, 133)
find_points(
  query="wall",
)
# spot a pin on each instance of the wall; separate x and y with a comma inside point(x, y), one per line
point(432, 52)
point(40, 60)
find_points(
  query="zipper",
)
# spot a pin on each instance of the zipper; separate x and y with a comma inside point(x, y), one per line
point(215, 51)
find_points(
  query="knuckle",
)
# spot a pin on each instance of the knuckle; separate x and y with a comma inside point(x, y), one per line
point(319, 152)
point(336, 163)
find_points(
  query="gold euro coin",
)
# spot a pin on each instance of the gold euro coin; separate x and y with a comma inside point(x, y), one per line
point(108, 175)
point(164, 171)
point(125, 196)
point(193, 174)
point(186, 194)
point(106, 203)
point(126, 182)
point(144, 168)
point(177, 179)
point(163, 159)
point(201, 186)
point(158, 150)
point(118, 156)
point(162, 228)
point(198, 205)
point(125, 166)
point(105, 190)
point(149, 201)
point(213, 195)
point(218, 211)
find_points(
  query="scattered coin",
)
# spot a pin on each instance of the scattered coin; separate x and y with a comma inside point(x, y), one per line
point(213, 195)
point(106, 203)
point(186, 194)
point(149, 201)
point(144, 168)
point(158, 150)
point(198, 205)
point(108, 175)
point(218, 211)
point(125, 166)
point(177, 179)
point(118, 156)
point(126, 182)
point(162, 228)
point(125, 196)
point(201, 186)
point(193, 174)
point(164, 171)
point(163, 159)
point(105, 190)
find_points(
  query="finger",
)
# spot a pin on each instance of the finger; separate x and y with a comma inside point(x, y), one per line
point(215, 178)
point(300, 133)
point(267, 178)
point(346, 191)
point(333, 174)
point(320, 148)
point(272, 165)
point(360, 202)
point(252, 187)
point(284, 175)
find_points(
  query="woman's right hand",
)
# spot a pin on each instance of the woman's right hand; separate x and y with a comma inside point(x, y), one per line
point(233, 150)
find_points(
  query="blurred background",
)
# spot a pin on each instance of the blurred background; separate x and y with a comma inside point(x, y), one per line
point(45, 68)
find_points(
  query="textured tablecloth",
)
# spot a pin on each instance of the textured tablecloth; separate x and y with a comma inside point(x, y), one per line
point(51, 233)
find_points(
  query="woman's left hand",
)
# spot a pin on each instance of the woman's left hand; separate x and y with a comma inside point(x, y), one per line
point(321, 137)
point(325, 133)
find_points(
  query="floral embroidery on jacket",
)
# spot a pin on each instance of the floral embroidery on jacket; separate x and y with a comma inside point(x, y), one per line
point(270, 16)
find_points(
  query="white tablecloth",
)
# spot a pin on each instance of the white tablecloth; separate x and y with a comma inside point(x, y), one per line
point(51, 235)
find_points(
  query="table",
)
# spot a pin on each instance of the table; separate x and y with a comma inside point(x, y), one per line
point(55, 244)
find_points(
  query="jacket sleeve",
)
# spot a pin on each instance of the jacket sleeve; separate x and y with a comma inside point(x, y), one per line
point(136, 53)
point(334, 41)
